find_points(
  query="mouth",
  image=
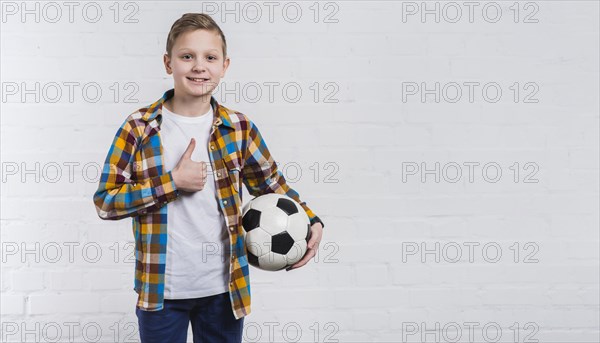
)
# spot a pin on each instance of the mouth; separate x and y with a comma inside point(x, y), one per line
point(199, 80)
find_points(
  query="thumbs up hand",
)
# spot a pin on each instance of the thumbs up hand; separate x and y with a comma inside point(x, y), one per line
point(189, 175)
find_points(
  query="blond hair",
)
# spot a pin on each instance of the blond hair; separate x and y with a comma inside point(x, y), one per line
point(191, 22)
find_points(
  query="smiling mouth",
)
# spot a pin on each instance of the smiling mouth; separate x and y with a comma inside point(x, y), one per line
point(197, 80)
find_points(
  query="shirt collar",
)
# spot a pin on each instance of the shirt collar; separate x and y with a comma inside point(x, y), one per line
point(154, 111)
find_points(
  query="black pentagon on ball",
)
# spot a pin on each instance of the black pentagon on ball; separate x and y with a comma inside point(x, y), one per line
point(252, 259)
point(281, 243)
point(251, 220)
point(287, 206)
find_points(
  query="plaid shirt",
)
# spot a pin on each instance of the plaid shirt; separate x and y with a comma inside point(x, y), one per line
point(134, 184)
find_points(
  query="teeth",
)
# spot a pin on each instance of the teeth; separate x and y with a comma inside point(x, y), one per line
point(197, 79)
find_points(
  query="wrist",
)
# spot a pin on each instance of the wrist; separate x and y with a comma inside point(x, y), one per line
point(316, 220)
point(175, 176)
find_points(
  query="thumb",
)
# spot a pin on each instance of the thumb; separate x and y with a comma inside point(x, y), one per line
point(187, 154)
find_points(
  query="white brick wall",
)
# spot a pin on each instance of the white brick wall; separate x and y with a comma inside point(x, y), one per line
point(373, 281)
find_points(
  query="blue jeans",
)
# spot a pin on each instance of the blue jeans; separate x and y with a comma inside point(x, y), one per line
point(211, 317)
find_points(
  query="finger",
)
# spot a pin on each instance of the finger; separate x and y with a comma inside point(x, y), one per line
point(313, 241)
point(187, 154)
point(304, 260)
point(298, 264)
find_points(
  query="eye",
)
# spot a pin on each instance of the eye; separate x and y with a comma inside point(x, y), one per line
point(187, 55)
point(213, 58)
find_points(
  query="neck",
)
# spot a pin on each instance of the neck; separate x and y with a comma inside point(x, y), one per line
point(189, 107)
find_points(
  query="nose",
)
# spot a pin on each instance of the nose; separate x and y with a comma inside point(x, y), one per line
point(198, 67)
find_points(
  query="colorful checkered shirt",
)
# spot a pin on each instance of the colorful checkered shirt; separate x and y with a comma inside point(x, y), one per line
point(134, 184)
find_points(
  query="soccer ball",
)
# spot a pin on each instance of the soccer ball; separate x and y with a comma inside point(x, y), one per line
point(277, 231)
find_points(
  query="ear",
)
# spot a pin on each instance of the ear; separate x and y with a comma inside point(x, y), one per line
point(167, 62)
point(225, 66)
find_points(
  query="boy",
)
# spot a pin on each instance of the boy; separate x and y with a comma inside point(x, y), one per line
point(156, 173)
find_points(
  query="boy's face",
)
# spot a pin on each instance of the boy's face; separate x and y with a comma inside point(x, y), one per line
point(196, 55)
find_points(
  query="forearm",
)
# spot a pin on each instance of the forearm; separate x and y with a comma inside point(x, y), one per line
point(116, 200)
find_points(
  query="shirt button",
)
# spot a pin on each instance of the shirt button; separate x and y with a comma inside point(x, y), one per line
point(232, 228)
point(143, 211)
point(219, 174)
point(225, 202)
point(212, 147)
point(232, 258)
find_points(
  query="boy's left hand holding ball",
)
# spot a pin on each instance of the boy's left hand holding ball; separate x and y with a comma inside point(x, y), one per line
point(316, 231)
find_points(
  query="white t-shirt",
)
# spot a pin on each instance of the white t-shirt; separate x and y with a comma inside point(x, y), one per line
point(197, 238)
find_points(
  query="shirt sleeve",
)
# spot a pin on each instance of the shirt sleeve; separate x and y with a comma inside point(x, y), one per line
point(118, 195)
point(261, 175)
